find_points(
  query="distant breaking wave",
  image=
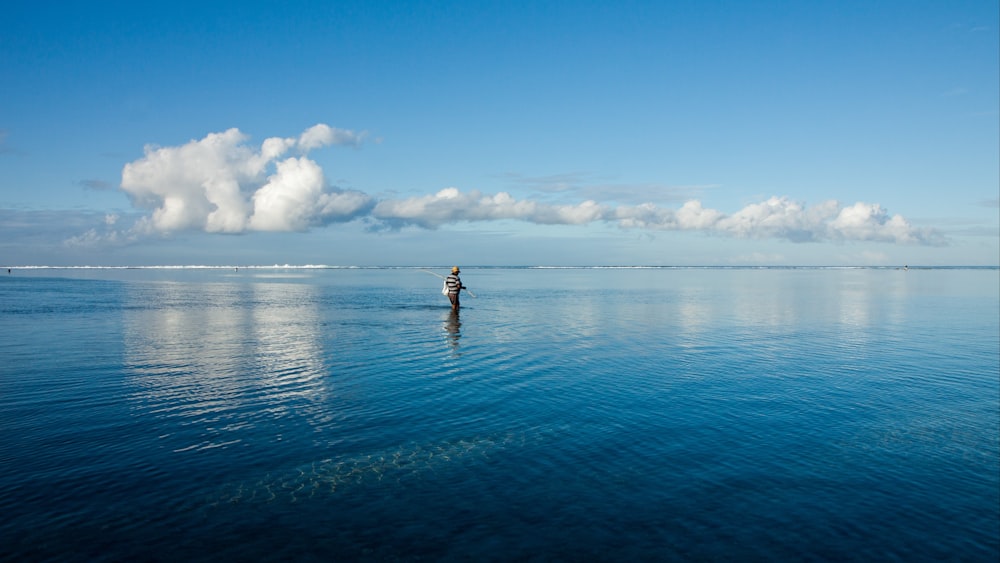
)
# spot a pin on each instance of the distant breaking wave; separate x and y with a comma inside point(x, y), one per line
point(536, 267)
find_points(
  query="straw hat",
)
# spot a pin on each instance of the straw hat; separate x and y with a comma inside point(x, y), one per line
point(455, 270)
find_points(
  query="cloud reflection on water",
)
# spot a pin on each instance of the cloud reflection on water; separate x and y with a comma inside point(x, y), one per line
point(224, 357)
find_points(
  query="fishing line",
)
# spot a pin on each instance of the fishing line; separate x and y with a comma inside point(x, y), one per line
point(444, 278)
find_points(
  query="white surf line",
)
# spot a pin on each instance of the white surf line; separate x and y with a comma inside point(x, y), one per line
point(444, 278)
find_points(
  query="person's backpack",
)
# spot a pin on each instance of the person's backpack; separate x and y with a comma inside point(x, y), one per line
point(444, 288)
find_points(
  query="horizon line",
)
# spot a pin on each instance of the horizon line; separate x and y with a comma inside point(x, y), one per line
point(491, 267)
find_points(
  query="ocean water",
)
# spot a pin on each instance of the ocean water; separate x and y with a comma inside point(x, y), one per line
point(562, 415)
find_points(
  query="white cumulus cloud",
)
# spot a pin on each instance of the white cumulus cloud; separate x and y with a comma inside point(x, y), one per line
point(867, 221)
point(221, 184)
point(322, 134)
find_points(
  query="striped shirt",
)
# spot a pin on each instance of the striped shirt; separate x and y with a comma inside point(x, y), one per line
point(454, 284)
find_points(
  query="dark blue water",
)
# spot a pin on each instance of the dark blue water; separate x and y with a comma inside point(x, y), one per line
point(572, 414)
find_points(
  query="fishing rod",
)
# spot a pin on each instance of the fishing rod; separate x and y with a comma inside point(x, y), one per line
point(444, 278)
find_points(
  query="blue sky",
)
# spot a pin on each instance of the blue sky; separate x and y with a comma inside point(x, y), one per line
point(500, 133)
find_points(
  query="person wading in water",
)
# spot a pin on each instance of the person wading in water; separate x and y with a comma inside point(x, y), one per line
point(455, 286)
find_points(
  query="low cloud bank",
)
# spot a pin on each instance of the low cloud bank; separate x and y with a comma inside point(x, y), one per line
point(775, 218)
point(221, 184)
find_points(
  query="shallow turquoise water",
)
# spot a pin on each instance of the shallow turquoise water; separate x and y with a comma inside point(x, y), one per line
point(568, 414)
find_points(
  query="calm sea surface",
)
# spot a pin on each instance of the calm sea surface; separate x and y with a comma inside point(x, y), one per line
point(564, 414)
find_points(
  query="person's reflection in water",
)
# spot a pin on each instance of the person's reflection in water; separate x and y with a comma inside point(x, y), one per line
point(453, 325)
